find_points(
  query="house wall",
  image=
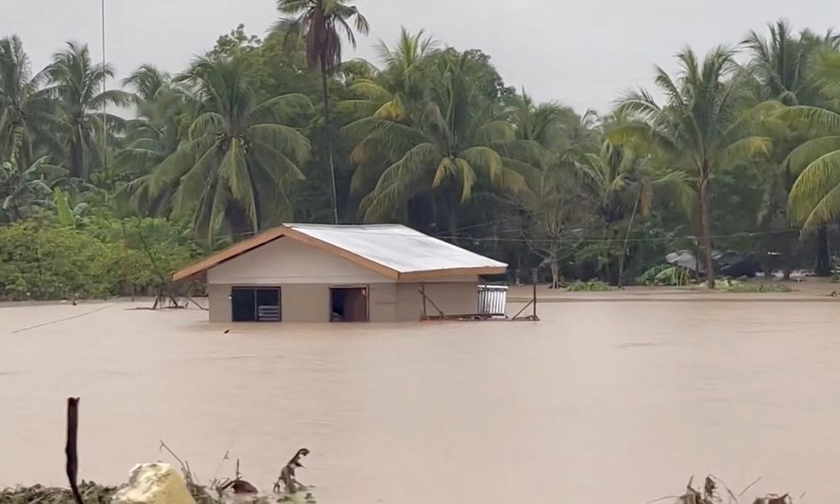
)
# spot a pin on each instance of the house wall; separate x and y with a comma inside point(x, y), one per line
point(382, 302)
point(455, 298)
point(387, 302)
point(286, 261)
point(298, 303)
point(219, 297)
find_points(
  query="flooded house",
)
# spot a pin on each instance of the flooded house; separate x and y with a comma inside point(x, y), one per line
point(351, 273)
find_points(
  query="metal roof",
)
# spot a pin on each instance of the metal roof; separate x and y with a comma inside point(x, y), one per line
point(393, 250)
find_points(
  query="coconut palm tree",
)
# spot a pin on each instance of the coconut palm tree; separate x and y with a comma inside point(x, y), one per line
point(24, 106)
point(783, 63)
point(147, 82)
point(697, 125)
point(151, 137)
point(620, 185)
point(815, 195)
point(319, 22)
point(403, 80)
point(446, 148)
point(785, 66)
point(75, 83)
point(233, 170)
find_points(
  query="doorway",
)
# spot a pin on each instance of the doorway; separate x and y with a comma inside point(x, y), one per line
point(348, 304)
point(255, 304)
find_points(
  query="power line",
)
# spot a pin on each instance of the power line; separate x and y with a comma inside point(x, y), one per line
point(740, 234)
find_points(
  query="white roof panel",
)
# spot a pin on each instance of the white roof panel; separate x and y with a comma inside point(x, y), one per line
point(397, 247)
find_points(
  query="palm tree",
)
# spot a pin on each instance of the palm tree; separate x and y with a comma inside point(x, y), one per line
point(319, 21)
point(403, 80)
point(75, 84)
point(544, 123)
point(815, 195)
point(148, 82)
point(444, 150)
point(620, 186)
point(233, 169)
point(24, 106)
point(162, 118)
point(785, 67)
point(555, 137)
point(697, 127)
point(783, 64)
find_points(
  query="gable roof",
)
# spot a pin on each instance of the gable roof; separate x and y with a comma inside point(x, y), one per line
point(392, 250)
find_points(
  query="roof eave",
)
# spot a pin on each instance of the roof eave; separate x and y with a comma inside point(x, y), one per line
point(416, 276)
point(229, 253)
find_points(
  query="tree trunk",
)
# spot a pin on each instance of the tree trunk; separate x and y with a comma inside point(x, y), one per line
point(791, 254)
point(626, 239)
point(822, 268)
point(326, 97)
point(555, 272)
point(453, 226)
point(77, 161)
point(705, 231)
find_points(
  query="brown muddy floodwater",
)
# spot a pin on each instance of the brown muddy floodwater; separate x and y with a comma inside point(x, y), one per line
point(599, 402)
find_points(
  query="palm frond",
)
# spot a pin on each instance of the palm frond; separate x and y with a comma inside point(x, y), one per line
point(746, 149)
point(283, 138)
point(805, 154)
point(400, 181)
point(815, 196)
point(282, 108)
point(814, 117)
point(484, 160)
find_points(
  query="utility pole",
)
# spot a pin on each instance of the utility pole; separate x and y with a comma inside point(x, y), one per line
point(104, 113)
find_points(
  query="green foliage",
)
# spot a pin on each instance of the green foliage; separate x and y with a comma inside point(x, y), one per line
point(39, 261)
point(590, 286)
point(665, 274)
point(106, 257)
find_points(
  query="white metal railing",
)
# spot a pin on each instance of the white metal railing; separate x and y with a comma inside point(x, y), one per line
point(492, 299)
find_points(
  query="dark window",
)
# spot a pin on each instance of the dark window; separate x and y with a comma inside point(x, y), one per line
point(250, 304)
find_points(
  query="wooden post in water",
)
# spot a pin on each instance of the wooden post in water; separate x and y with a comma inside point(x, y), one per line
point(71, 448)
point(534, 283)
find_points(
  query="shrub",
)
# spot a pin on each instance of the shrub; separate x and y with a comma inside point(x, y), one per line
point(105, 257)
point(665, 274)
point(53, 262)
point(590, 286)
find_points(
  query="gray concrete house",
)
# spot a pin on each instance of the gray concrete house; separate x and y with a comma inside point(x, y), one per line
point(353, 273)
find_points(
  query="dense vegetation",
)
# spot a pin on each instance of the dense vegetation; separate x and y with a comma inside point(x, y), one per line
point(739, 150)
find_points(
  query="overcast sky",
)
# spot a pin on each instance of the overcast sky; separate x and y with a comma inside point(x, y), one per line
point(581, 53)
